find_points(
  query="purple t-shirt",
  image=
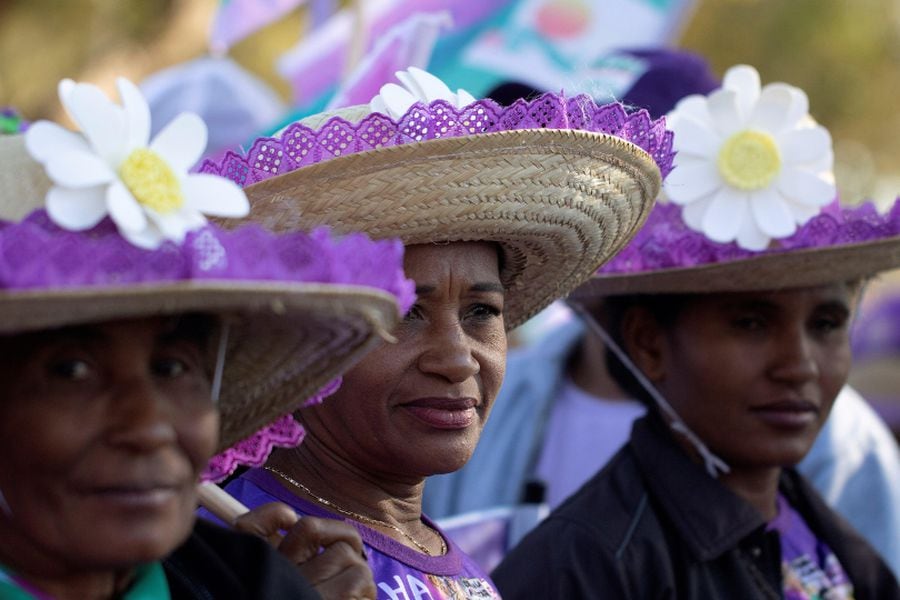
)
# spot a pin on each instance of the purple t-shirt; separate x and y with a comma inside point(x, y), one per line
point(401, 573)
point(810, 570)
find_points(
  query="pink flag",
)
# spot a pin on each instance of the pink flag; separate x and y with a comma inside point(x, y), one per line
point(408, 44)
point(236, 19)
point(304, 65)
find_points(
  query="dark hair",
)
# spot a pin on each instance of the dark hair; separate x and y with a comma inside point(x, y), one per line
point(665, 308)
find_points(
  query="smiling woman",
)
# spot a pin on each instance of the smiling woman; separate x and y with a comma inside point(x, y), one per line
point(501, 211)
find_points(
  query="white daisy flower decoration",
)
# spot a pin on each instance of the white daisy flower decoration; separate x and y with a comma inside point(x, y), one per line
point(418, 86)
point(112, 168)
point(752, 164)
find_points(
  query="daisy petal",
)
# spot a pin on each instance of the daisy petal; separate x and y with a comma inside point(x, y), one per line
point(396, 99)
point(76, 210)
point(101, 121)
point(693, 213)
point(214, 195)
point(807, 145)
point(693, 106)
point(802, 212)
point(750, 237)
point(78, 169)
point(692, 179)
point(772, 215)
point(137, 115)
point(65, 88)
point(695, 138)
point(45, 139)
point(431, 87)
point(799, 109)
point(772, 111)
point(744, 81)
point(806, 187)
point(726, 212)
point(148, 238)
point(172, 226)
point(377, 105)
point(181, 143)
point(464, 98)
point(124, 209)
point(724, 112)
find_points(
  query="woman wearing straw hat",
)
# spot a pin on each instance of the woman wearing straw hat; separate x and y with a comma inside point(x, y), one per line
point(732, 312)
point(502, 211)
point(135, 340)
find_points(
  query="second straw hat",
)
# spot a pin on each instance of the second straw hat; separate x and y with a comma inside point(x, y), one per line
point(561, 184)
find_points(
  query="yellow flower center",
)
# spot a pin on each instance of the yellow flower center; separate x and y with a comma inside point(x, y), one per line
point(749, 160)
point(151, 181)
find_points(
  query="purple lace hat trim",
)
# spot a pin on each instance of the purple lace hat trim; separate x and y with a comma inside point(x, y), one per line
point(36, 254)
point(286, 432)
point(666, 242)
point(299, 146)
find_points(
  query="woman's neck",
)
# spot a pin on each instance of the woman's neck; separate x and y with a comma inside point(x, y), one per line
point(757, 486)
point(60, 581)
point(343, 488)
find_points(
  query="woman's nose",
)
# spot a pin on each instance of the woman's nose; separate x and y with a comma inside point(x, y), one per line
point(795, 357)
point(142, 419)
point(448, 354)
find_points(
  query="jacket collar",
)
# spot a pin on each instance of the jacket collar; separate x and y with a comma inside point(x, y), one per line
point(709, 517)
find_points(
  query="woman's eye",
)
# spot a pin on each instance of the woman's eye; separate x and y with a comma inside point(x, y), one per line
point(484, 311)
point(827, 325)
point(414, 313)
point(170, 367)
point(70, 369)
point(749, 323)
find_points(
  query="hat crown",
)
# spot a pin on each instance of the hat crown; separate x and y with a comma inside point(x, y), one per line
point(23, 182)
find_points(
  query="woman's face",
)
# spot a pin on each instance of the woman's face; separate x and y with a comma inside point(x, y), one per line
point(755, 374)
point(417, 407)
point(103, 432)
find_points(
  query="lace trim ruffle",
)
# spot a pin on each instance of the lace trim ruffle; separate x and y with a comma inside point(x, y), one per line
point(666, 242)
point(299, 146)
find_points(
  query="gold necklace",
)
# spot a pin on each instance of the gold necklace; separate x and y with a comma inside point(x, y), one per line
point(359, 517)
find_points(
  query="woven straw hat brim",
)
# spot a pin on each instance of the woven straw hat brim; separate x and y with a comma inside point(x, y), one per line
point(285, 340)
point(777, 271)
point(559, 202)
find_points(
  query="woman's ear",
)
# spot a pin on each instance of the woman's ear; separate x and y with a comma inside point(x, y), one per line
point(643, 338)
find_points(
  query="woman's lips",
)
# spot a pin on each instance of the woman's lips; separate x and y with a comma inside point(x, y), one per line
point(134, 497)
point(444, 413)
point(788, 414)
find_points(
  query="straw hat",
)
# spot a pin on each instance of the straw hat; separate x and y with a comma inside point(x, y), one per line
point(768, 221)
point(561, 184)
point(286, 338)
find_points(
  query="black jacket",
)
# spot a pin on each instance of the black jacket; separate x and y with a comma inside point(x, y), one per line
point(216, 563)
point(652, 525)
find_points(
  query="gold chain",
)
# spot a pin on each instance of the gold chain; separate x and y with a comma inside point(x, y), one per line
point(359, 517)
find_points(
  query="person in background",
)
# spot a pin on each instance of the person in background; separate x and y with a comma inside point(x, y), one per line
point(560, 416)
point(876, 350)
point(731, 310)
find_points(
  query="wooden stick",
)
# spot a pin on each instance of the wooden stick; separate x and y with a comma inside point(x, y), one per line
point(219, 502)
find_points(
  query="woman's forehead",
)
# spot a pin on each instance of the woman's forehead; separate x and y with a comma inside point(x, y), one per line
point(476, 263)
point(838, 294)
point(190, 327)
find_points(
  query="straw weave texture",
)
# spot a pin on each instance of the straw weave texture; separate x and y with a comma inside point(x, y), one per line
point(771, 272)
point(559, 202)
